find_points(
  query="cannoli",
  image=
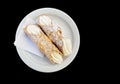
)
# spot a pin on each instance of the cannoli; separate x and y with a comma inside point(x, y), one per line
point(44, 43)
point(54, 32)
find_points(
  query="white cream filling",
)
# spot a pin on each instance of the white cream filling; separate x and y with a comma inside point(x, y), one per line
point(57, 58)
point(33, 29)
point(67, 46)
point(44, 20)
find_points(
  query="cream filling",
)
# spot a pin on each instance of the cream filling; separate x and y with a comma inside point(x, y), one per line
point(67, 46)
point(33, 29)
point(57, 58)
point(45, 20)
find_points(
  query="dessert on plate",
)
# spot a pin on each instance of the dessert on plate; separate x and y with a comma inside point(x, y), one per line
point(54, 32)
point(44, 43)
point(47, 35)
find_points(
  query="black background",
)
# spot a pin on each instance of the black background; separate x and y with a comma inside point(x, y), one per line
point(84, 15)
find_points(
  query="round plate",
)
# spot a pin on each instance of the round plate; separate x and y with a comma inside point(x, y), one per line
point(69, 30)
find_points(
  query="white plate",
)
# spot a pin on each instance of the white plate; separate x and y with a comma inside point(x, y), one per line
point(69, 29)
